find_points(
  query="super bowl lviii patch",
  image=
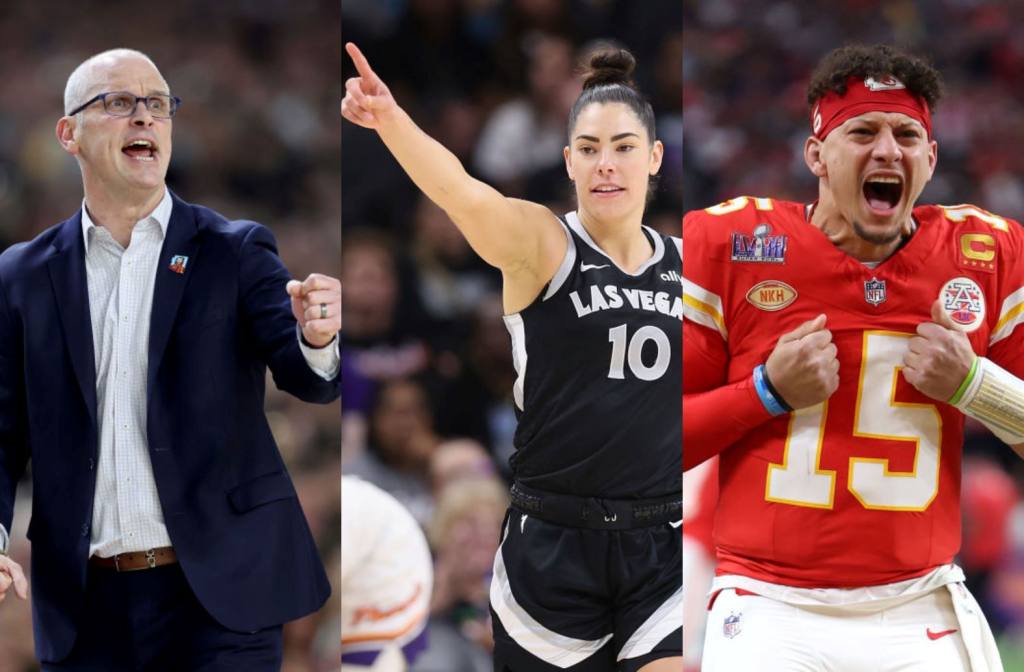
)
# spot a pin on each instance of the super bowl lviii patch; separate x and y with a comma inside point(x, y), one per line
point(964, 302)
point(771, 295)
point(759, 247)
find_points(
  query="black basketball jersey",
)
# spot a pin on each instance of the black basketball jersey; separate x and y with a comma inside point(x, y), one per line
point(599, 362)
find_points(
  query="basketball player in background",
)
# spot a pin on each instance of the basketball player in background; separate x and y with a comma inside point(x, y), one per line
point(588, 576)
point(386, 578)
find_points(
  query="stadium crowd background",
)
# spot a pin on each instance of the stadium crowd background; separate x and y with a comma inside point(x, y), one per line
point(257, 138)
point(745, 69)
point(427, 366)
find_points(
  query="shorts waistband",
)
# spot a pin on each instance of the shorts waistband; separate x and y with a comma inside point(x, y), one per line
point(596, 513)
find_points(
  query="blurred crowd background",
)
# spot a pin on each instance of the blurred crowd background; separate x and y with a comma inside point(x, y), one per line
point(257, 138)
point(745, 69)
point(427, 370)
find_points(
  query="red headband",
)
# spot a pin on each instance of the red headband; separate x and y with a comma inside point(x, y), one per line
point(867, 94)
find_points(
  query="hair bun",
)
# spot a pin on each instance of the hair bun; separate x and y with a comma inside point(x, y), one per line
point(607, 66)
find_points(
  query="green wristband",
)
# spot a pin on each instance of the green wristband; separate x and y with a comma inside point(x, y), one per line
point(955, 399)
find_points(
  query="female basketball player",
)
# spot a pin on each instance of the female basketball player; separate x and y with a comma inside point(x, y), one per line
point(588, 576)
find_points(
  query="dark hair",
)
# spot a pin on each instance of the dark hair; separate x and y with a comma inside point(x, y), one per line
point(606, 79)
point(878, 60)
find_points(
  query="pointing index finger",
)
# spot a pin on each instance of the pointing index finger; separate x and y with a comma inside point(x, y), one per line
point(362, 65)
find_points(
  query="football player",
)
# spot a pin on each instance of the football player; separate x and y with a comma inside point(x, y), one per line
point(831, 351)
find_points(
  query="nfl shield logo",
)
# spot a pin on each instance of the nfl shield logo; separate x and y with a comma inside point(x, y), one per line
point(874, 291)
point(731, 627)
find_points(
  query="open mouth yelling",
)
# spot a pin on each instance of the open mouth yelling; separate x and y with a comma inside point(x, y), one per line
point(883, 193)
point(140, 150)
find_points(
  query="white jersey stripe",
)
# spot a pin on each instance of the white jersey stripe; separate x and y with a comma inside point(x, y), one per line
point(516, 329)
point(565, 268)
point(703, 307)
point(666, 618)
point(659, 245)
point(549, 646)
point(1010, 315)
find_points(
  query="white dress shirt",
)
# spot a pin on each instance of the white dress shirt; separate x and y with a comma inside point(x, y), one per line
point(127, 516)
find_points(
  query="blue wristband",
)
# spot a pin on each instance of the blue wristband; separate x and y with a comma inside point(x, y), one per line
point(770, 401)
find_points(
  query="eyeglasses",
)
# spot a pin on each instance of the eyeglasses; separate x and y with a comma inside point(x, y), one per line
point(123, 104)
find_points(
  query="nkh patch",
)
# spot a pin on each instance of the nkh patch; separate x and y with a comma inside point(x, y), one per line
point(964, 302)
point(771, 295)
point(759, 247)
point(731, 626)
point(874, 291)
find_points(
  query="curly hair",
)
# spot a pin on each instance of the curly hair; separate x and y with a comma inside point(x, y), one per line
point(859, 60)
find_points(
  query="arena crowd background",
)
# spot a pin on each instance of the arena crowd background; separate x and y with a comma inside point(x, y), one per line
point(427, 366)
point(257, 137)
point(745, 69)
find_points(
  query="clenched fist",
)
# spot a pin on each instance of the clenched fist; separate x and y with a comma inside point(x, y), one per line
point(939, 357)
point(803, 367)
point(316, 304)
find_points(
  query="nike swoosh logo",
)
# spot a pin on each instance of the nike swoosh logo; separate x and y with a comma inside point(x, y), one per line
point(591, 267)
point(677, 524)
point(941, 633)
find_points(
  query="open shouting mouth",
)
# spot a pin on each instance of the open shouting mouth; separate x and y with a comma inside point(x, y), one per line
point(140, 149)
point(883, 193)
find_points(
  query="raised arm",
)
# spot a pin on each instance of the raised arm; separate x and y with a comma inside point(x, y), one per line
point(519, 237)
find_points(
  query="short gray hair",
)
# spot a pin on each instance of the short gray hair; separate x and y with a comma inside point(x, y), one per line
point(79, 82)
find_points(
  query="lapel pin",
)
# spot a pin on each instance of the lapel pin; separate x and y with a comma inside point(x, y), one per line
point(178, 263)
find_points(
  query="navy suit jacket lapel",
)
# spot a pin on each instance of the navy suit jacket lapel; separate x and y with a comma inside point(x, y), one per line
point(181, 239)
point(71, 290)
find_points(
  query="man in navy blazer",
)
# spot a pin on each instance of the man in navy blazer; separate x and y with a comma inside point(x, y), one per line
point(134, 338)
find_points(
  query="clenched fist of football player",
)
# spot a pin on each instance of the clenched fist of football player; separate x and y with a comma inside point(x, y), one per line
point(803, 367)
point(939, 358)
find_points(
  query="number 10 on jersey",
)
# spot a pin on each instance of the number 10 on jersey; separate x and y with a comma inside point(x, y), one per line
point(626, 350)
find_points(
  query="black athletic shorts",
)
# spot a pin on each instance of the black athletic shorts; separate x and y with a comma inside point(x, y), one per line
point(569, 598)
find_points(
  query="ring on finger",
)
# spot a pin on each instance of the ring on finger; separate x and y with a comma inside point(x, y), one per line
point(323, 311)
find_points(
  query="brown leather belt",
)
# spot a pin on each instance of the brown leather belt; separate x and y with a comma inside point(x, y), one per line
point(130, 562)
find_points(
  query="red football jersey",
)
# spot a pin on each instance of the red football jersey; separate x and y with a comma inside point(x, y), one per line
point(863, 489)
